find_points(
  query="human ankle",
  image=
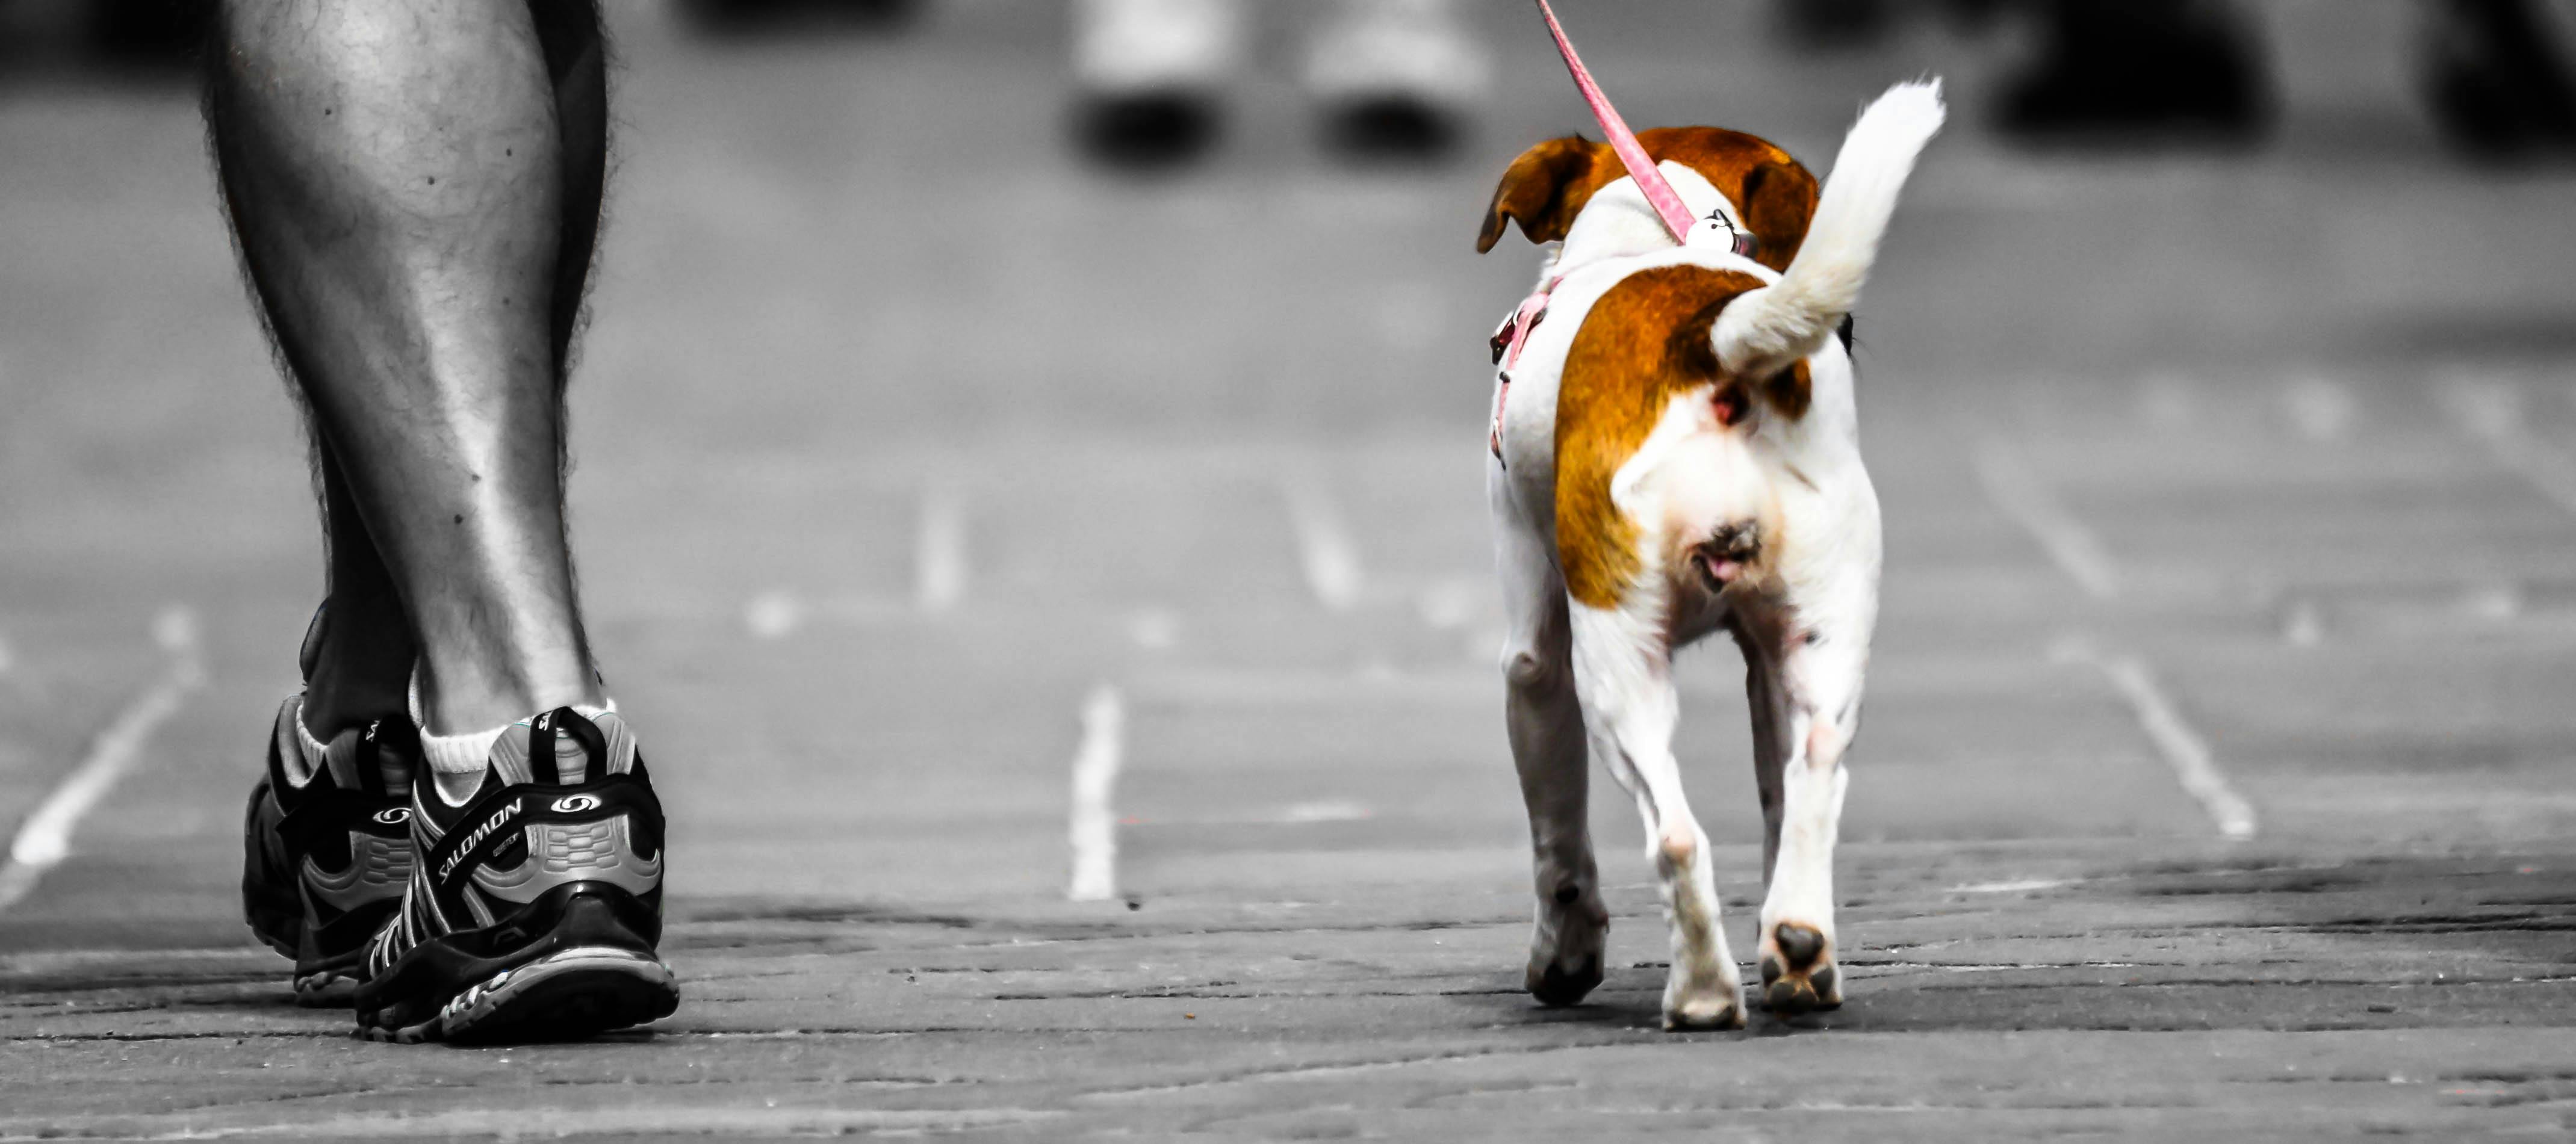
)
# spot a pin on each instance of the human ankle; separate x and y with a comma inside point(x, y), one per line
point(334, 703)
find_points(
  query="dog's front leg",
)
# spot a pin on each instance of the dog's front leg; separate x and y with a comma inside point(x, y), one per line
point(1803, 681)
point(1545, 724)
point(1623, 673)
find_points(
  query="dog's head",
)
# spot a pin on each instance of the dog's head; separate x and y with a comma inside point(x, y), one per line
point(1818, 241)
point(1768, 192)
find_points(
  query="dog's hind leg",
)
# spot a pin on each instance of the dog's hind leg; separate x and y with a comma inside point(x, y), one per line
point(1545, 724)
point(1803, 681)
point(1623, 673)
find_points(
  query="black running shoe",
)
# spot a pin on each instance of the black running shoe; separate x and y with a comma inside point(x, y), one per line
point(534, 910)
point(325, 860)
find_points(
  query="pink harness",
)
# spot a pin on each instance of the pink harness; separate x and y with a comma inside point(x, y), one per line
point(1677, 219)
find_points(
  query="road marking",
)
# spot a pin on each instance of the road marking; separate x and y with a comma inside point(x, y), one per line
point(2014, 886)
point(2490, 409)
point(939, 569)
point(1154, 629)
point(1324, 548)
point(2320, 409)
point(1327, 810)
point(2168, 400)
point(45, 838)
point(1094, 830)
point(2174, 738)
point(637, 1118)
point(2018, 492)
point(775, 614)
point(2305, 626)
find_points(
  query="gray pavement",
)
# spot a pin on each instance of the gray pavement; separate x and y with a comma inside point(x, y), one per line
point(901, 438)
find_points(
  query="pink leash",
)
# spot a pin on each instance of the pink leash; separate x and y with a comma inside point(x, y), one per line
point(1641, 168)
point(1667, 203)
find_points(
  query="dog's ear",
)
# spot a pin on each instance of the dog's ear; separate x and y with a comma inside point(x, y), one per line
point(1777, 195)
point(1779, 198)
point(1544, 189)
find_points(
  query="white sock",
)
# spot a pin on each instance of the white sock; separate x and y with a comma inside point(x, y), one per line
point(456, 762)
point(300, 768)
point(459, 754)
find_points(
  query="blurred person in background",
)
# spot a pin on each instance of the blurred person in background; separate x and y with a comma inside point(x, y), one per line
point(1389, 78)
point(2492, 72)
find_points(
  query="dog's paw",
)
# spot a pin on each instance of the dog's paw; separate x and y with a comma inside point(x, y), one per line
point(1798, 971)
point(1557, 986)
point(1566, 948)
point(1715, 1009)
point(1703, 992)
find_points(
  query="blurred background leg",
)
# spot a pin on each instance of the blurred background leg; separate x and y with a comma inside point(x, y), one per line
point(1149, 77)
point(2127, 71)
point(1833, 25)
point(742, 17)
point(1396, 78)
point(2497, 79)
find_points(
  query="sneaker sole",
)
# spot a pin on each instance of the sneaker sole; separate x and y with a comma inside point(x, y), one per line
point(567, 995)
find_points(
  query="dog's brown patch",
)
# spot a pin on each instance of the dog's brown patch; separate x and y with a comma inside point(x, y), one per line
point(1549, 184)
point(1643, 342)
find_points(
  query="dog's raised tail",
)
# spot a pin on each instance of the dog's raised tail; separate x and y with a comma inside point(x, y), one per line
point(1771, 328)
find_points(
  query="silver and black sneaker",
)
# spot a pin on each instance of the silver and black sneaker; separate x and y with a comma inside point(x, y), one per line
point(536, 905)
point(327, 848)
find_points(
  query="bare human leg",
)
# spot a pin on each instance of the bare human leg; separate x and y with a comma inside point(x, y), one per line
point(416, 189)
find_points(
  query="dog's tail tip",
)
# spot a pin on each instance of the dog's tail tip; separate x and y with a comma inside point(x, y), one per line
point(1776, 325)
point(1898, 124)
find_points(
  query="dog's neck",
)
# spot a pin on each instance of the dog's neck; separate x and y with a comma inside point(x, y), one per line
point(1619, 223)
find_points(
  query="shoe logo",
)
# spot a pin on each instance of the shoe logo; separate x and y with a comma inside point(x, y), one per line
point(576, 803)
point(394, 815)
point(447, 868)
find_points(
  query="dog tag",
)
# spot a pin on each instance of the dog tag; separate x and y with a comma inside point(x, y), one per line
point(1718, 230)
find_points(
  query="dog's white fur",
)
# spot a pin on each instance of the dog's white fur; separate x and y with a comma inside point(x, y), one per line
point(1595, 681)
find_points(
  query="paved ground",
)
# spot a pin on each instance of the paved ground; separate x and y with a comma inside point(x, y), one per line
point(904, 442)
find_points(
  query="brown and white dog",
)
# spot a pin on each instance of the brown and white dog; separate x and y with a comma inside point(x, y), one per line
point(1677, 454)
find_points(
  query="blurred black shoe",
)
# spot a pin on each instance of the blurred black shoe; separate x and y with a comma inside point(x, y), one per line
point(2498, 85)
point(1391, 129)
point(2139, 71)
point(1833, 25)
point(1148, 75)
point(146, 30)
point(1147, 130)
point(752, 17)
point(1396, 80)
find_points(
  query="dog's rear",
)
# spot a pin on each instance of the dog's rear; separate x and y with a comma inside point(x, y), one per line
point(1699, 469)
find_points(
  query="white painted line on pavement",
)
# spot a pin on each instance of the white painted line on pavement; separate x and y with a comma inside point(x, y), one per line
point(2169, 400)
point(2320, 408)
point(45, 838)
point(638, 1118)
point(1326, 810)
point(1095, 777)
point(1324, 548)
point(2305, 625)
point(939, 555)
point(2491, 409)
point(2021, 496)
point(1154, 629)
point(775, 614)
point(2014, 886)
point(2174, 738)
